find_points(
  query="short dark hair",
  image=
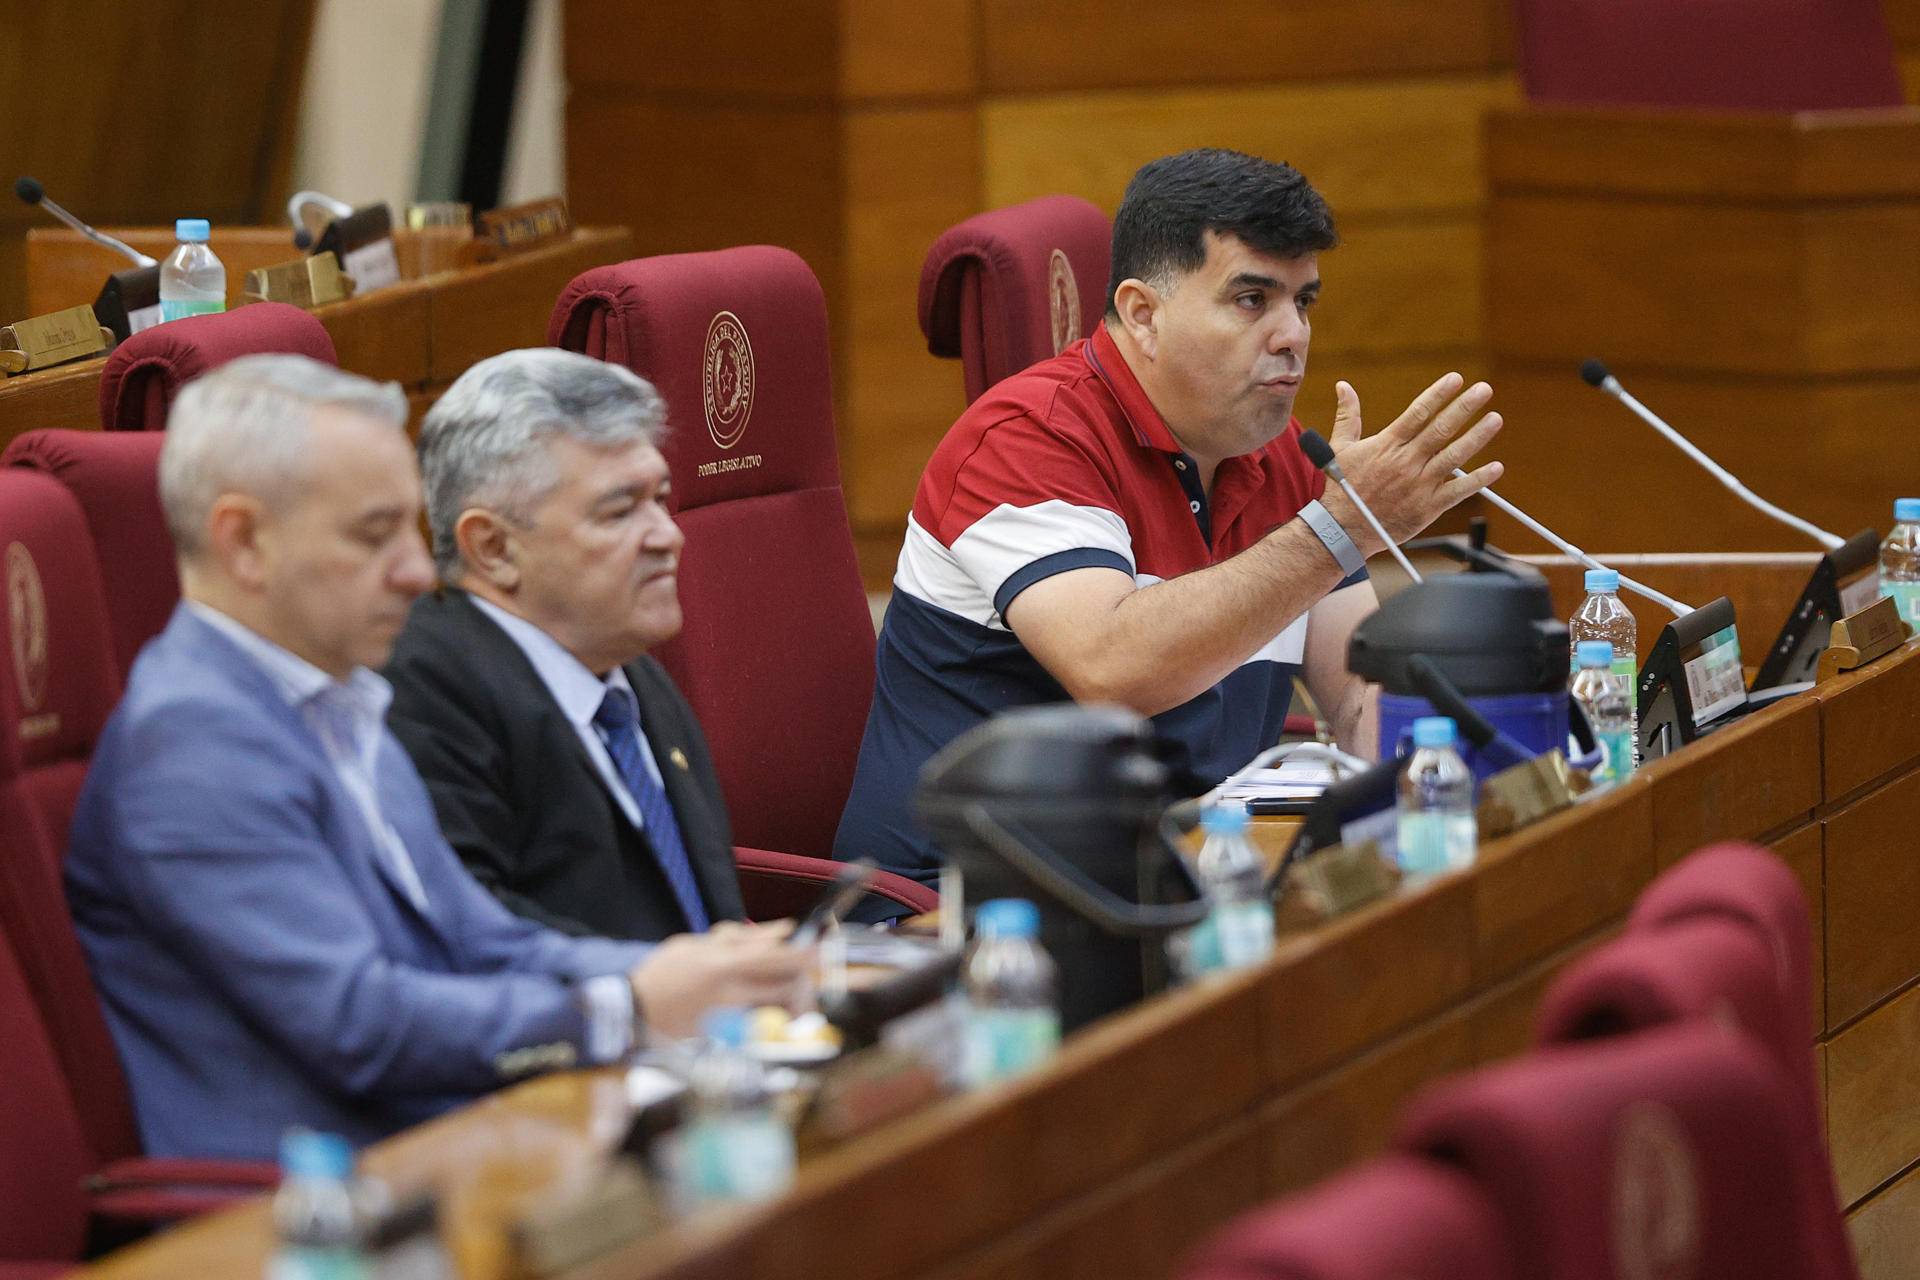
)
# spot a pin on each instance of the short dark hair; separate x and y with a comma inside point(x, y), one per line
point(1171, 203)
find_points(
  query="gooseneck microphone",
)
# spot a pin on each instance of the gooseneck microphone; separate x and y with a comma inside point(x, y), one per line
point(1320, 454)
point(1596, 375)
point(31, 192)
point(1665, 601)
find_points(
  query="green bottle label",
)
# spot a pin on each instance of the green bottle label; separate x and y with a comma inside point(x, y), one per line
point(1905, 596)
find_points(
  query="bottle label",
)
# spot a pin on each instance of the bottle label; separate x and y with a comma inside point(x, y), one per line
point(1905, 595)
point(1007, 1042)
point(1616, 763)
point(1246, 933)
point(1628, 669)
point(307, 1262)
point(181, 310)
point(747, 1156)
point(1431, 842)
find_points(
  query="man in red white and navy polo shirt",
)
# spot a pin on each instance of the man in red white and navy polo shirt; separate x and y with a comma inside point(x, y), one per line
point(1133, 521)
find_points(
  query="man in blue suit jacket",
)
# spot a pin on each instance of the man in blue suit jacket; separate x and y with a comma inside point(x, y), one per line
point(278, 930)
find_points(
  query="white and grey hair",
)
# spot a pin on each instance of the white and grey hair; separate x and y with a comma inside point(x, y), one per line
point(247, 427)
point(484, 443)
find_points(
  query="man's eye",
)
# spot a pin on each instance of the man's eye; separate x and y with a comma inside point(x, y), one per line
point(1306, 301)
point(1252, 301)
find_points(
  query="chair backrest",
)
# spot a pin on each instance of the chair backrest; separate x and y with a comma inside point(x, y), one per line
point(1663, 1154)
point(1754, 55)
point(1745, 882)
point(115, 477)
point(1398, 1217)
point(43, 1156)
point(776, 655)
point(143, 373)
point(57, 687)
point(1011, 287)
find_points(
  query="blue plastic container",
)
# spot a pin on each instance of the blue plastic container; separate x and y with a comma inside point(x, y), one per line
point(1537, 721)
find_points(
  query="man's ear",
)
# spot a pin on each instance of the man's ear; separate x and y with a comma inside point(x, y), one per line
point(237, 540)
point(489, 547)
point(1138, 306)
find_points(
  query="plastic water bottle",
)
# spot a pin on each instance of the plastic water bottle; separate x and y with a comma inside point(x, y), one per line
point(1436, 831)
point(192, 281)
point(314, 1221)
point(734, 1147)
point(1013, 1018)
point(1601, 616)
point(1238, 931)
point(1900, 558)
point(1602, 694)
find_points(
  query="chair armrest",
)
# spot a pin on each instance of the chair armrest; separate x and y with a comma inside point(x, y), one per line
point(160, 1190)
point(777, 886)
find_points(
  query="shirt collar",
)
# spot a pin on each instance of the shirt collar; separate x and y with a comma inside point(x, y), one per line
point(299, 681)
point(578, 691)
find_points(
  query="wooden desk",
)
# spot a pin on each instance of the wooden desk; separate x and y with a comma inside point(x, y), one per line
point(1153, 1126)
point(422, 333)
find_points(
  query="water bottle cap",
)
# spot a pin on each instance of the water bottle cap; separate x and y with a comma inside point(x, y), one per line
point(726, 1025)
point(1434, 731)
point(1906, 509)
point(1603, 579)
point(1594, 653)
point(1224, 820)
point(1008, 918)
point(192, 230)
point(306, 1154)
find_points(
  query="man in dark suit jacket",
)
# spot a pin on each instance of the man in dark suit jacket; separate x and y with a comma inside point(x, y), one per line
point(547, 499)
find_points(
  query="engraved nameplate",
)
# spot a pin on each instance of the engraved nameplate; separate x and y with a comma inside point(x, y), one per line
point(1859, 638)
point(1527, 792)
point(56, 338)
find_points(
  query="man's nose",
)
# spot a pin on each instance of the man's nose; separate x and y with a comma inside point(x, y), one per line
point(413, 572)
point(664, 535)
point(1290, 331)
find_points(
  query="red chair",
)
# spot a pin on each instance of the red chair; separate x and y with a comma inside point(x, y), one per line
point(114, 476)
point(1745, 882)
point(57, 687)
point(1011, 287)
point(143, 373)
point(43, 1155)
point(1745, 55)
point(1710, 969)
point(1395, 1218)
point(776, 655)
point(1669, 1153)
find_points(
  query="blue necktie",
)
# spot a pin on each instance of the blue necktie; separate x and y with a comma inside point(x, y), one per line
point(618, 719)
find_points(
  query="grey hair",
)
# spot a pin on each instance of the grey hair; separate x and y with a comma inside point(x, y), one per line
point(484, 442)
point(246, 427)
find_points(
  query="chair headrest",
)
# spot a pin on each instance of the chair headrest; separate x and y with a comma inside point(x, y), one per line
point(1043, 264)
point(735, 341)
point(143, 373)
point(57, 682)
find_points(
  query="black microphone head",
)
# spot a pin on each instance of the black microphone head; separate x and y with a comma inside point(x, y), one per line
point(1315, 446)
point(1594, 373)
point(29, 189)
point(303, 239)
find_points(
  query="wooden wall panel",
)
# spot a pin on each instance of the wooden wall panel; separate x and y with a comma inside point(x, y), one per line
point(1371, 147)
point(909, 176)
point(689, 50)
point(1754, 777)
point(186, 112)
point(1872, 885)
point(908, 51)
point(1873, 1097)
point(1038, 45)
point(1871, 722)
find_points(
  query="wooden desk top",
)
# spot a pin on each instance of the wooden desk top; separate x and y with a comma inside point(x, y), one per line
point(1347, 1016)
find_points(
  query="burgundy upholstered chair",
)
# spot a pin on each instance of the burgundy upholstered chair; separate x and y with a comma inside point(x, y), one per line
point(57, 687)
point(115, 476)
point(1711, 969)
point(43, 1155)
point(1395, 1218)
point(1747, 55)
point(1011, 287)
point(776, 655)
point(1668, 1153)
point(143, 373)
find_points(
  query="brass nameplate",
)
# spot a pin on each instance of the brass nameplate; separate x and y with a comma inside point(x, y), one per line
point(1525, 793)
point(1859, 638)
point(73, 334)
point(520, 227)
point(304, 282)
point(1341, 877)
